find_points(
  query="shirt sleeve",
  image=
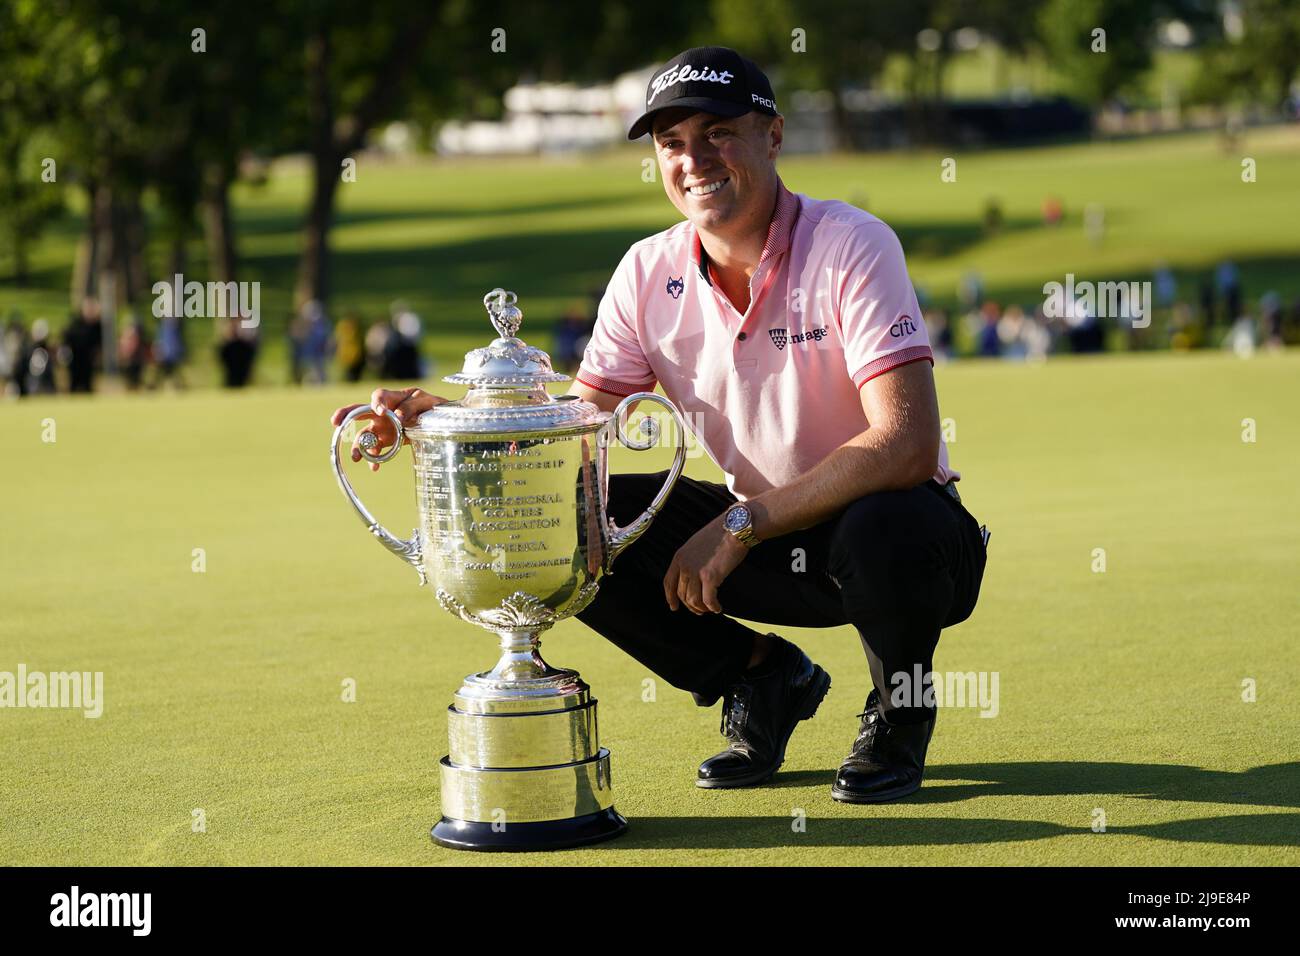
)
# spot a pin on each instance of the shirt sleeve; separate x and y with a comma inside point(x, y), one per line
point(614, 360)
point(880, 318)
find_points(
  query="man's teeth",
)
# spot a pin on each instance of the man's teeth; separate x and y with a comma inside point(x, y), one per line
point(710, 188)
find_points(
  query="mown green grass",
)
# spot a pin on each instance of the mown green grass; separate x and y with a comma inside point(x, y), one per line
point(440, 233)
point(1119, 691)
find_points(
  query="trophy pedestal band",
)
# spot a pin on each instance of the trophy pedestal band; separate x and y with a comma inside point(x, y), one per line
point(523, 837)
point(508, 741)
point(527, 808)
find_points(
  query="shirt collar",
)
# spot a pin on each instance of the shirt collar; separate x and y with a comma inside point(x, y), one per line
point(778, 233)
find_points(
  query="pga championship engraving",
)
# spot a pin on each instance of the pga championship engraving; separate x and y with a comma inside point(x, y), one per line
point(511, 488)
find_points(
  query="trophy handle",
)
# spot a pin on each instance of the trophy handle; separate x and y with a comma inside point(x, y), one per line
point(620, 538)
point(409, 551)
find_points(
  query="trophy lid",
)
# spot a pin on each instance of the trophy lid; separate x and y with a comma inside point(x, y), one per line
point(507, 386)
point(507, 360)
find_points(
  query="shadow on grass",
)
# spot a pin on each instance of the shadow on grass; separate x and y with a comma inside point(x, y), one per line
point(270, 220)
point(739, 833)
point(1273, 785)
point(565, 264)
point(936, 240)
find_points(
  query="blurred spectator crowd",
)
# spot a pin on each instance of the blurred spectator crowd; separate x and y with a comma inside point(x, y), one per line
point(1215, 317)
point(36, 360)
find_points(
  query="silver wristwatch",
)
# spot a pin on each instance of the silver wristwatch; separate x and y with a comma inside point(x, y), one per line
point(739, 520)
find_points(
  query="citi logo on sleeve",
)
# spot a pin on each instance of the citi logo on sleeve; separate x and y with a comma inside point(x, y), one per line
point(675, 286)
point(903, 327)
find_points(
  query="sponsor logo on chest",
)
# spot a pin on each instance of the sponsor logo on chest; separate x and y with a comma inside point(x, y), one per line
point(781, 339)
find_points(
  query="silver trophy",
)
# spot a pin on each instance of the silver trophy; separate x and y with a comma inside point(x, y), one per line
point(511, 486)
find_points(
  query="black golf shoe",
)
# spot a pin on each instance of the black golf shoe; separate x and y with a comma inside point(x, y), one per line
point(759, 713)
point(887, 760)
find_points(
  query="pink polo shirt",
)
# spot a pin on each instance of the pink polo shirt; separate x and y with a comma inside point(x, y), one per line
point(770, 393)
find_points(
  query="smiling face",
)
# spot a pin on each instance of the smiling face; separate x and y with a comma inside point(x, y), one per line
point(720, 172)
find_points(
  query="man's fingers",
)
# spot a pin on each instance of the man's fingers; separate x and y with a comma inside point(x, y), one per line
point(709, 594)
point(415, 405)
point(690, 593)
point(389, 398)
point(382, 429)
point(406, 403)
point(670, 586)
point(340, 413)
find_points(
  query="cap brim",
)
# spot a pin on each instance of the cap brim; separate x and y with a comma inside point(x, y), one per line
point(701, 104)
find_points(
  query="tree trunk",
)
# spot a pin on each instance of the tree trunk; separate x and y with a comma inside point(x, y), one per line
point(112, 238)
point(112, 271)
point(840, 120)
point(313, 269)
point(223, 262)
point(136, 266)
point(914, 105)
point(176, 256)
point(939, 108)
point(19, 245)
point(333, 140)
point(313, 274)
point(85, 269)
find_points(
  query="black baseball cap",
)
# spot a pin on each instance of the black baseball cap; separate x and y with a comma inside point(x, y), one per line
point(712, 79)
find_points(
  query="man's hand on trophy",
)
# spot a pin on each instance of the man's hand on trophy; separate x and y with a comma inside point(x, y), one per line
point(406, 403)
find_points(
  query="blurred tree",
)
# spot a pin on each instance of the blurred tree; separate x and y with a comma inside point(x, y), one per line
point(88, 74)
point(1261, 63)
point(842, 47)
point(813, 45)
point(1067, 28)
point(27, 203)
point(31, 193)
point(366, 65)
point(356, 62)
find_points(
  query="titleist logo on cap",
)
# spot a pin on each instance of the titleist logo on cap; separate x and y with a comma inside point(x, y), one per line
point(684, 74)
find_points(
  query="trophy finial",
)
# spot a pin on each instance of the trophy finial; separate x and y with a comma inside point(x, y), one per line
point(505, 315)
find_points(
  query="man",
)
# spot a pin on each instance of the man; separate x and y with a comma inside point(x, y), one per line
point(787, 330)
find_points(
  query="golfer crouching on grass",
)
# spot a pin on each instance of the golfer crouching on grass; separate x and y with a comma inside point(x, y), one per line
point(788, 331)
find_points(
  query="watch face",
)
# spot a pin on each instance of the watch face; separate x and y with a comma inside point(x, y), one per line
point(737, 518)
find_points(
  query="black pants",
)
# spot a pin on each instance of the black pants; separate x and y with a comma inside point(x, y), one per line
point(898, 565)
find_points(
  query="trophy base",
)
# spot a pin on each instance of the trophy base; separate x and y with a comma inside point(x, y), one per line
point(526, 837)
point(524, 769)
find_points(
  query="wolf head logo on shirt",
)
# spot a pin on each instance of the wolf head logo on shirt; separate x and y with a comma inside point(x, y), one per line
point(675, 286)
point(778, 338)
